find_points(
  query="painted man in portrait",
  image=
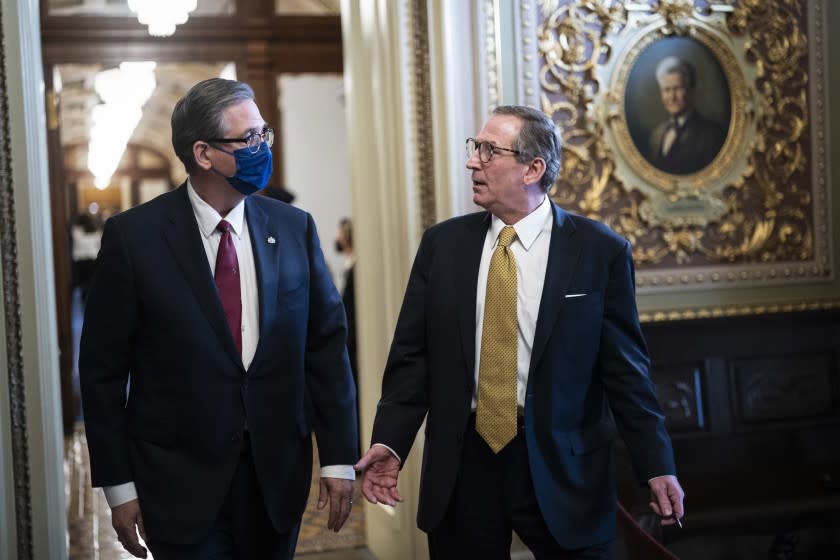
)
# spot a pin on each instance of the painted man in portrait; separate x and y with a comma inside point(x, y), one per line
point(687, 141)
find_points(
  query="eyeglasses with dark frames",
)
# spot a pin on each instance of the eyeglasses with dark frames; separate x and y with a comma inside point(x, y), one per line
point(486, 150)
point(253, 141)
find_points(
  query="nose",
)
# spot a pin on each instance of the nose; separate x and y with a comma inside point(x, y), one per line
point(473, 162)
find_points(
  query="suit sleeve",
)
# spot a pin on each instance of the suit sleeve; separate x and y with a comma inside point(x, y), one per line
point(624, 367)
point(405, 391)
point(329, 381)
point(104, 359)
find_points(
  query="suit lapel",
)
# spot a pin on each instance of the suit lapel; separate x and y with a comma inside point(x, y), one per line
point(563, 255)
point(467, 260)
point(184, 240)
point(265, 242)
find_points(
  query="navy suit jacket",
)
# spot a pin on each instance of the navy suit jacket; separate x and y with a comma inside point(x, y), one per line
point(588, 373)
point(154, 314)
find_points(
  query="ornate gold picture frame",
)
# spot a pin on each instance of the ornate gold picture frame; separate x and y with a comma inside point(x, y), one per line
point(749, 210)
point(635, 120)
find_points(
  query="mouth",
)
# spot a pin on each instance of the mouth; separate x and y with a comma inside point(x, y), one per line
point(477, 183)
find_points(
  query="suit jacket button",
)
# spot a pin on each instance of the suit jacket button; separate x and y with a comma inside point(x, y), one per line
point(235, 437)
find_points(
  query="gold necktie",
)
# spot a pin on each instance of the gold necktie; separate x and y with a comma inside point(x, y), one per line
point(496, 408)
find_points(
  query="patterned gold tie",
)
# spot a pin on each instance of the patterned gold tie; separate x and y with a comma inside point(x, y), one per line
point(496, 408)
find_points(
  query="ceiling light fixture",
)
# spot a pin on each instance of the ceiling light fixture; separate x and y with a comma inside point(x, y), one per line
point(162, 15)
point(123, 92)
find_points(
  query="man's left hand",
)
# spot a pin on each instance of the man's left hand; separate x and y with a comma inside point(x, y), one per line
point(666, 499)
point(339, 492)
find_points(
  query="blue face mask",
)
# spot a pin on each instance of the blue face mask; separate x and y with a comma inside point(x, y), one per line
point(252, 170)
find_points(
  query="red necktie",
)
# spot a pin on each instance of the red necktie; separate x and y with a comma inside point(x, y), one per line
point(227, 282)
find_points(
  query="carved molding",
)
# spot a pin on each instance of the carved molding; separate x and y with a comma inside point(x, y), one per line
point(528, 91)
point(717, 311)
point(492, 52)
point(422, 102)
point(14, 335)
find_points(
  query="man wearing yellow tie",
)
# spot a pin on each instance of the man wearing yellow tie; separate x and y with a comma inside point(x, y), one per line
point(520, 339)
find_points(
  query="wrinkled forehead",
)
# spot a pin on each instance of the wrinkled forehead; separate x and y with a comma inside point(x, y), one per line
point(242, 117)
point(500, 129)
point(674, 79)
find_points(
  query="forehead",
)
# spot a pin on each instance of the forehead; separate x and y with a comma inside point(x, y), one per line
point(673, 79)
point(242, 117)
point(500, 129)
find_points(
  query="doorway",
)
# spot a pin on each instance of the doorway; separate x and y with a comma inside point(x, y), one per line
point(258, 41)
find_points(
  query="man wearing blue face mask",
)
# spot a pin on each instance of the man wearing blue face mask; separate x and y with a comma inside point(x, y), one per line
point(214, 343)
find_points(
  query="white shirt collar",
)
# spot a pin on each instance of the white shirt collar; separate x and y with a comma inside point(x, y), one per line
point(528, 228)
point(682, 118)
point(208, 218)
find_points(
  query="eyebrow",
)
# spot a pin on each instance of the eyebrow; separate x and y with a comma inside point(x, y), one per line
point(254, 130)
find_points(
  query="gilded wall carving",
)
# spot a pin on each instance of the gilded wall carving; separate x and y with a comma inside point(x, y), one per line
point(749, 205)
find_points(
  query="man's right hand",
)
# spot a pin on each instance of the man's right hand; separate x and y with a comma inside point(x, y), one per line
point(380, 470)
point(127, 521)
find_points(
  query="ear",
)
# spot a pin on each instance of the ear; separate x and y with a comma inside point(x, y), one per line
point(535, 171)
point(199, 150)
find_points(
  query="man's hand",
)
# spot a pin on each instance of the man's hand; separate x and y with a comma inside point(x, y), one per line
point(380, 470)
point(127, 520)
point(666, 499)
point(339, 492)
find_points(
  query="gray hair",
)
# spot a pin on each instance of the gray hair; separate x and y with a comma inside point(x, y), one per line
point(538, 137)
point(675, 65)
point(199, 115)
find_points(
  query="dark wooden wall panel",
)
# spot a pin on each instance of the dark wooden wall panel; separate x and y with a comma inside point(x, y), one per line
point(753, 407)
point(680, 389)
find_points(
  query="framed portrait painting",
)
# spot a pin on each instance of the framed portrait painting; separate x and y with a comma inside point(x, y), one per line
point(677, 105)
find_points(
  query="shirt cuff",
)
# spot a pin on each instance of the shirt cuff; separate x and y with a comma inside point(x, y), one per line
point(655, 477)
point(394, 453)
point(338, 471)
point(120, 494)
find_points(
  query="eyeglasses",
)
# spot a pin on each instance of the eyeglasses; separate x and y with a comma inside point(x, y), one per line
point(485, 150)
point(253, 141)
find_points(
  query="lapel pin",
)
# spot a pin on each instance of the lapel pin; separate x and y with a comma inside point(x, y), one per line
point(271, 239)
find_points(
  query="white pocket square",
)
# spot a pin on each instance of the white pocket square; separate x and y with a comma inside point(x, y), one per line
point(574, 295)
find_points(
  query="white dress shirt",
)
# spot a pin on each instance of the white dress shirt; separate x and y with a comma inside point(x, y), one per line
point(530, 249)
point(207, 219)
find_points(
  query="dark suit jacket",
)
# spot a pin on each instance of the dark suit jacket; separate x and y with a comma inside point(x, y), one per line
point(589, 369)
point(154, 313)
point(698, 142)
point(348, 298)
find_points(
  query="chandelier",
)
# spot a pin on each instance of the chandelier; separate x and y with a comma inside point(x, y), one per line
point(162, 15)
point(123, 92)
